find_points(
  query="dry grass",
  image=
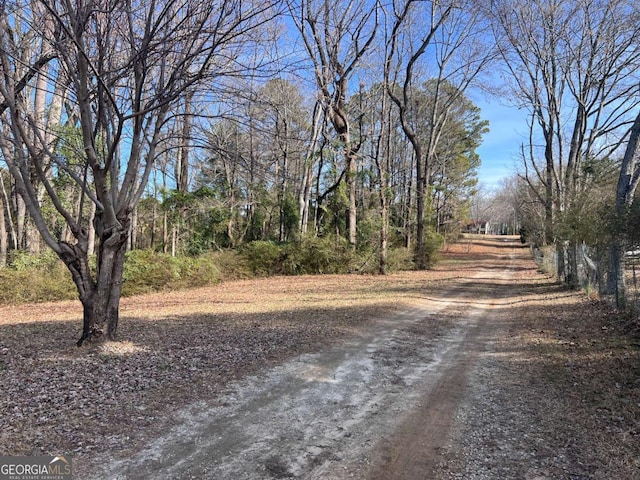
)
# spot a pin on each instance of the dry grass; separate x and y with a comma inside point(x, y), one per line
point(175, 348)
point(567, 354)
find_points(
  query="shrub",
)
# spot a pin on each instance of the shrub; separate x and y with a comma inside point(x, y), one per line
point(21, 260)
point(146, 271)
point(433, 242)
point(399, 259)
point(33, 278)
point(317, 255)
point(149, 271)
point(196, 272)
point(262, 257)
point(231, 265)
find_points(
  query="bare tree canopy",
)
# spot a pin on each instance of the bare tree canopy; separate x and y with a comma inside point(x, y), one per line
point(573, 65)
point(101, 79)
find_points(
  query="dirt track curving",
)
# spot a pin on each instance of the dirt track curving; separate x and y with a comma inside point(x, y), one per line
point(380, 405)
point(482, 369)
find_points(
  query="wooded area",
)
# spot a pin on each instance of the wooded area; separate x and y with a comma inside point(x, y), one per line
point(184, 127)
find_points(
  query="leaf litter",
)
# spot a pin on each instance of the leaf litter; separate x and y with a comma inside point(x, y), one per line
point(567, 367)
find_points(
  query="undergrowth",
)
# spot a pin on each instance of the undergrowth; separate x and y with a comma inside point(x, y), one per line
point(31, 278)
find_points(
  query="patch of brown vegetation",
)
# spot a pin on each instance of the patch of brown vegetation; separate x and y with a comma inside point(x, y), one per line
point(175, 348)
point(558, 397)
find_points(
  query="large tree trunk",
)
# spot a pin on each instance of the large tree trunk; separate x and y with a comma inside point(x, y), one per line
point(339, 119)
point(100, 298)
point(32, 238)
point(625, 192)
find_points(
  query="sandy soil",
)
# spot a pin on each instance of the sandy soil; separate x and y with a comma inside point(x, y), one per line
point(481, 369)
point(322, 415)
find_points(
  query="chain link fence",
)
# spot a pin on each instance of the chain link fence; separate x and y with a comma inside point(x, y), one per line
point(592, 271)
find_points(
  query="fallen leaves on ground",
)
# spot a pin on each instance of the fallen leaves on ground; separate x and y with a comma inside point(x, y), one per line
point(568, 368)
point(558, 397)
point(175, 348)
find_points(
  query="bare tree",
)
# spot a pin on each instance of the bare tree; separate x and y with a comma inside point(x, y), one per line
point(448, 44)
point(125, 65)
point(336, 36)
point(573, 65)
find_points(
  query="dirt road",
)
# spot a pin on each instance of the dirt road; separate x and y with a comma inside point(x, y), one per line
point(480, 369)
point(380, 405)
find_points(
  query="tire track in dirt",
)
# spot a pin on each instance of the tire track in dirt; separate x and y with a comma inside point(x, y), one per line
point(413, 451)
point(378, 406)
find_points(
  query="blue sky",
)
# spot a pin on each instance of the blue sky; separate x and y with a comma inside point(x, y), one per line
point(500, 149)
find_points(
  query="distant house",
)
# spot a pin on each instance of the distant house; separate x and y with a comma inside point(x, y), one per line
point(479, 226)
